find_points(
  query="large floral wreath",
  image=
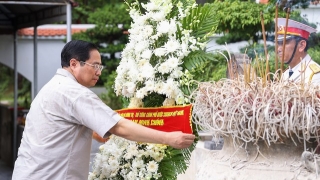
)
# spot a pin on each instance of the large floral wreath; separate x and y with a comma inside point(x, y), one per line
point(167, 39)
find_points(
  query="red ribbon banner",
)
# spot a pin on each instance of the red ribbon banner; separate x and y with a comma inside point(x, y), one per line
point(175, 118)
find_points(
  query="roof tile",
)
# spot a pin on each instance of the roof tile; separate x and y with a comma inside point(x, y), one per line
point(48, 31)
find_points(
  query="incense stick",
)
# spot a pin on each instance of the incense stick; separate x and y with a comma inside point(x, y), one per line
point(267, 75)
point(284, 39)
point(276, 38)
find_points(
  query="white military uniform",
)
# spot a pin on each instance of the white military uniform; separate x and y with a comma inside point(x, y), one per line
point(307, 70)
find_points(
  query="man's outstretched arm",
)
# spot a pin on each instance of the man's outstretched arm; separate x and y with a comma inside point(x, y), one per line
point(135, 132)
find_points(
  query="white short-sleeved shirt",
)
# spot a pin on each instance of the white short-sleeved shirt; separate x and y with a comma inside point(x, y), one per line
point(303, 71)
point(57, 137)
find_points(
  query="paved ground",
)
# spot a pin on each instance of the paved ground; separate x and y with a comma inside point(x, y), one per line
point(5, 171)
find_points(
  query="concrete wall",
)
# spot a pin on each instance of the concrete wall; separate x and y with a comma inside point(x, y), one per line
point(312, 14)
point(234, 47)
point(48, 57)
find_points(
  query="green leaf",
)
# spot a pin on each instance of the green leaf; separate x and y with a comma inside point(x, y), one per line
point(196, 59)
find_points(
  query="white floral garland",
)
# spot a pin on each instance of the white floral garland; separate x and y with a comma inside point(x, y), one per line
point(154, 36)
point(128, 159)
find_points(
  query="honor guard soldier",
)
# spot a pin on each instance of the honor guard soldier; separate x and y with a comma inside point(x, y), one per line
point(301, 67)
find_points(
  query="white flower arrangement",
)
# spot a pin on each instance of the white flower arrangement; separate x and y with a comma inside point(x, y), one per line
point(153, 68)
point(151, 61)
point(124, 159)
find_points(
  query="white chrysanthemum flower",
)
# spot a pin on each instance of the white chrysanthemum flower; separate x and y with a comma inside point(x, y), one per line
point(131, 175)
point(141, 46)
point(173, 62)
point(128, 49)
point(121, 69)
point(163, 27)
point(132, 73)
point(117, 153)
point(160, 52)
point(176, 73)
point(158, 87)
point(158, 16)
point(114, 165)
point(141, 20)
point(148, 30)
point(133, 147)
point(149, 85)
point(172, 45)
point(164, 68)
point(147, 71)
point(172, 29)
point(106, 170)
point(114, 174)
point(142, 62)
point(150, 6)
point(141, 93)
point(140, 77)
point(130, 87)
point(142, 174)
point(136, 38)
point(142, 153)
point(125, 92)
point(134, 30)
point(146, 54)
point(137, 163)
point(170, 88)
point(92, 176)
point(98, 161)
point(152, 166)
point(128, 155)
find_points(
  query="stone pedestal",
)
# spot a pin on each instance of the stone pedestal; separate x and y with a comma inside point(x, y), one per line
point(259, 161)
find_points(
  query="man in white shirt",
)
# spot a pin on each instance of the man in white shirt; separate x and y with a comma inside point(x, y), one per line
point(58, 133)
point(301, 67)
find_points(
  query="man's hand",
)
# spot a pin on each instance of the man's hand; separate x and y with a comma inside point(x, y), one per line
point(179, 140)
point(136, 132)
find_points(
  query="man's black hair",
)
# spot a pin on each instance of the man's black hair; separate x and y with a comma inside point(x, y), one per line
point(77, 49)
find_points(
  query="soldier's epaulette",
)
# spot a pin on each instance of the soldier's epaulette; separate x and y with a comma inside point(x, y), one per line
point(315, 68)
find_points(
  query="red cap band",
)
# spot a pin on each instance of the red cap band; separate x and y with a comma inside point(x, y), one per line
point(296, 32)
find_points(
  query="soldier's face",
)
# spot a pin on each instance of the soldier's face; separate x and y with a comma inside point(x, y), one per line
point(288, 49)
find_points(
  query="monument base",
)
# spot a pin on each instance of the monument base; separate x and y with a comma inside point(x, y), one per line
point(251, 162)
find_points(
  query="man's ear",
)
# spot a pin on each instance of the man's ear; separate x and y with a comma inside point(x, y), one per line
point(73, 63)
point(302, 45)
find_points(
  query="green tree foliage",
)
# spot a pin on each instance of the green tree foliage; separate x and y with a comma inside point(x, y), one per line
point(241, 20)
point(5, 78)
point(112, 21)
point(7, 86)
